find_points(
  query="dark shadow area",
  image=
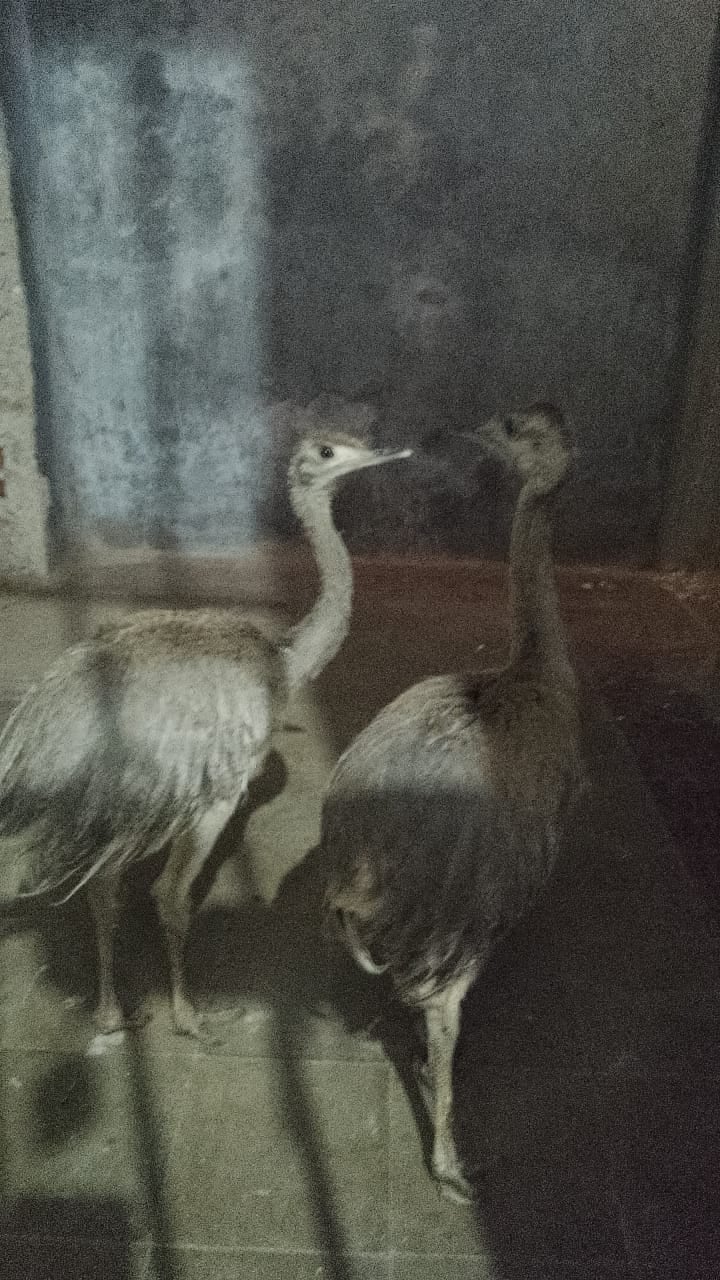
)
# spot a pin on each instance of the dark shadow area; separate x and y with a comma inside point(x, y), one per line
point(151, 1159)
point(70, 1236)
point(46, 1238)
point(279, 953)
point(676, 741)
point(63, 1103)
point(699, 225)
point(298, 1115)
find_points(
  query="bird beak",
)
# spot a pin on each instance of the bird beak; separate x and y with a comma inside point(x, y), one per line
point(379, 456)
point(351, 459)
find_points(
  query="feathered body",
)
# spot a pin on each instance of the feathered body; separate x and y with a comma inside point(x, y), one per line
point(150, 733)
point(103, 763)
point(442, 820)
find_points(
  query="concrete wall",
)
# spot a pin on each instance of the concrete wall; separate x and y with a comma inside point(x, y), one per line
point(422, 209)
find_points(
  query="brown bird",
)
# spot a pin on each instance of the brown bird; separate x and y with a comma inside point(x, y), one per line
point(442, 819)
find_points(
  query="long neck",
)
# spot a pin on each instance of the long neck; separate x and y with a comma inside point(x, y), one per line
point(538, 635)
point(315, 641)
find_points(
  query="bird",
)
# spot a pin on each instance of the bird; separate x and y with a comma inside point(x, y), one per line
point(442, 819)
point(147, 735)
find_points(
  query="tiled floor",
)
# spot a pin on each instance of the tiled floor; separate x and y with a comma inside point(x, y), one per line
point(587, 1076)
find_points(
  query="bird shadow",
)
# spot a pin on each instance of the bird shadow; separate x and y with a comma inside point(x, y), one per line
point(242, 952)
point(329, 982)
point(283, 957)
point(280, 955)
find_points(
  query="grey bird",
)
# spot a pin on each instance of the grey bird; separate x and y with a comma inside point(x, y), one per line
point(149, 734)
point(442, 819)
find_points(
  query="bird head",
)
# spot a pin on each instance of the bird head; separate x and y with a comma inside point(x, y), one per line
point(531, 443)
point(322, 458)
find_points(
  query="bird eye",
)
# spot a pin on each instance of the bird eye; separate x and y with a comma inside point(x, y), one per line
point(326, 451)
point(510, 427)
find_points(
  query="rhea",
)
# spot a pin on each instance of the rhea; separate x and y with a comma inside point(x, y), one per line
point(442, 819)
point(149, 734)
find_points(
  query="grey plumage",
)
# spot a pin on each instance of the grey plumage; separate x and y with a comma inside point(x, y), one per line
point(151, 732)
point(442, 819)
point(103, 761)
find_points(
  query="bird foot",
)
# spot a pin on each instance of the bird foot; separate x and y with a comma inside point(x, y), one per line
point(452, 1183)
point(188, 1022)
point(137, 1019)
point(458, 1190)
point(110, 1025)
point(109, 1018)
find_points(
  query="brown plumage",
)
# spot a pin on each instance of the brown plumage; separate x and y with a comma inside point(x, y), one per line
point(442, 819)
point(150, 733)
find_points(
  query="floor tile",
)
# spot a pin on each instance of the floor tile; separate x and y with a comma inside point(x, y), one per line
point(40, 1258)
point(671, 1239)
point(68, 1131)
point(270, 986)
point(282, 1155)
point(662, 1139)
point(47, 983)
point(421, 1219)
point(518, 1026)
point(209, 1264)
point(263, 975)
point(433, 1267)
point(546, 1191)
point(89, 1130)
point(542, 1186)
point(666, 1031)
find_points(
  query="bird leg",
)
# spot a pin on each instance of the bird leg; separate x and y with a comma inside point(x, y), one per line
point(172, 892)
point(442, 1016)
point(104, 900)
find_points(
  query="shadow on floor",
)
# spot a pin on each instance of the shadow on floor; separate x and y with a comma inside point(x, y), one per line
point(676, 741)
point(47, 1238)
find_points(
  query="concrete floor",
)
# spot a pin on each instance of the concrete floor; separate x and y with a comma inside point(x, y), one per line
point(588, 1070)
